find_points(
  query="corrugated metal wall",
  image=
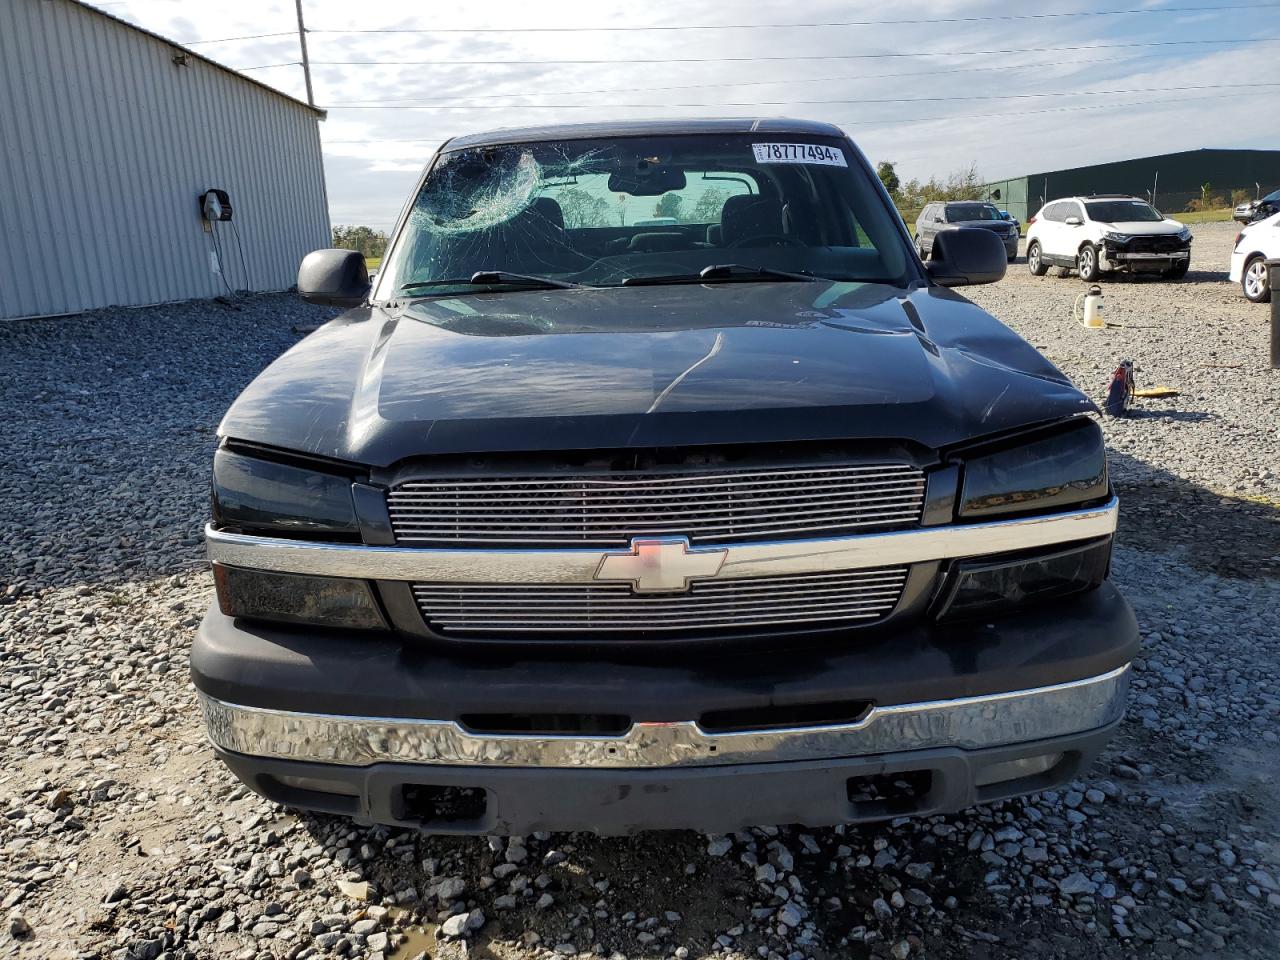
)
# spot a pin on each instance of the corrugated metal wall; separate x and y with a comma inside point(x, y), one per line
point(1013, 196)
point(105, 145)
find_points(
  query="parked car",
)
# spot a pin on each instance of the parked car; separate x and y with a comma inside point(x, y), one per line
point(1097, 234)
point(553, 530)
point(1012, 219)
point(1252, 211)
point(955, 215)
point(1256, 244)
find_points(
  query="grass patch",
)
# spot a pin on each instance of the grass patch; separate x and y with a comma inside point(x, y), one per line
point(372, 263)
point(1203, 216)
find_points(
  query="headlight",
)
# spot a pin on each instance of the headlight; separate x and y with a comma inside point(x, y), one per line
point(267, 498)
point(288, 598)
point(1117, 237)
point(979, 587)
point(1184, 233)
point(261, 496)
point(1063, 469)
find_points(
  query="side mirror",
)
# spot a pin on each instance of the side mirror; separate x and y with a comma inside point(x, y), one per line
point(334, 278)
point(1073, 221)
point(965, 257)
point(937, 220)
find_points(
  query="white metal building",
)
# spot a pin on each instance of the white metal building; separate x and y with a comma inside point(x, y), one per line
point(109, 134)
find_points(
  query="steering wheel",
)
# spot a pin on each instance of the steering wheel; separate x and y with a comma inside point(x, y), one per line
point(776, 239)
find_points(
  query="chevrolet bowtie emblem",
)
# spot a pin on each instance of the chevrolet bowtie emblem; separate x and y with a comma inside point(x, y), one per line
point(661, 565)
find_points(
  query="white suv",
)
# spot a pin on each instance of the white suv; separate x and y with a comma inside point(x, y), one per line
point(1107, 232)
point(1256, 244)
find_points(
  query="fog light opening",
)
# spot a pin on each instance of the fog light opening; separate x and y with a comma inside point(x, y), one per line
point(1023, 768)
point(330, 796)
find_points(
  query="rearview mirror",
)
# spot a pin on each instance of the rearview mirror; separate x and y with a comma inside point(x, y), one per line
point(1073, 221)
point(965, 257)
point(647, 181)
point(334, 278)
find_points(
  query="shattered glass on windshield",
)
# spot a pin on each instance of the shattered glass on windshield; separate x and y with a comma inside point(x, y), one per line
point(600, 212)
point(468, 192)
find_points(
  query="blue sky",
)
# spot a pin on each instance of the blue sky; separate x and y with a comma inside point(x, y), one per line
point(923, 95)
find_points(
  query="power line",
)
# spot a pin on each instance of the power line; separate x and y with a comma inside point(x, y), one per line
point(1029, 113)
point(995, 18)
point(256, 36)
point(783, 103)
point(901, 120)
point(751, 83)
point(268, 66)
point(829, 56)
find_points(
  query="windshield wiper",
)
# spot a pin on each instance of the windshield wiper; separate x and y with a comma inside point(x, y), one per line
point(483, 278)
point(502, 276)
point(725, 271)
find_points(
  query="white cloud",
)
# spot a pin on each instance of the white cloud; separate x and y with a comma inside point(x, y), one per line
point(373, 155)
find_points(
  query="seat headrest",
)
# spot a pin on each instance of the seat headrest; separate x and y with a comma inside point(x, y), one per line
point(659, 241)
point(744, 217)
point(549, 210)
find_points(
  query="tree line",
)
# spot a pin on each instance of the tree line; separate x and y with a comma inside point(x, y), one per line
point(372, 243)
point(910, 197)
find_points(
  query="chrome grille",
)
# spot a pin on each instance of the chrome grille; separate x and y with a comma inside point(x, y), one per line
point(609, 509)
point(816, 598)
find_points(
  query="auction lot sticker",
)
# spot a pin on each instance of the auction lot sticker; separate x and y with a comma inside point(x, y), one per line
point(798, 153)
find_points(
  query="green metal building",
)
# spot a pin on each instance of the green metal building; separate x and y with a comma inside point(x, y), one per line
point(1171, 180)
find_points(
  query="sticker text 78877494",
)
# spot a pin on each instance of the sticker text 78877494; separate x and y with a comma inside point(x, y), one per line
point(799, 153)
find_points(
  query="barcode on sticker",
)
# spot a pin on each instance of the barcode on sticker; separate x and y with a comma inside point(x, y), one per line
point(798, 153)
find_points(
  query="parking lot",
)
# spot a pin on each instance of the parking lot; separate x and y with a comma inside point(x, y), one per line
point(123, 837)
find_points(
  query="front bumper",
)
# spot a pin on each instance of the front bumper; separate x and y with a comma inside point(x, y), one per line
point(1120, 255)
point(350, 723)
point(816, 793)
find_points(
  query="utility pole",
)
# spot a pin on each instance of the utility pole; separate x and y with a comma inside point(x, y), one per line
point(306, 62)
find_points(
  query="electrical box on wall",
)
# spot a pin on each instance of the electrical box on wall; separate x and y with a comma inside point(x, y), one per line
point(215, 205)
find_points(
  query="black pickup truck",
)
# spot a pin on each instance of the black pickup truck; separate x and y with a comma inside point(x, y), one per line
point(655, 482)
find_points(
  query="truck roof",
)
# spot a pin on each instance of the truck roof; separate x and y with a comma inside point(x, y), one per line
point(642, 128)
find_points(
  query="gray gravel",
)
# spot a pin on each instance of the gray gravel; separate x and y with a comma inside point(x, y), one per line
point(121, 837)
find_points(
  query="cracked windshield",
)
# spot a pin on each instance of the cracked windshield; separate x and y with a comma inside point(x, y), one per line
point(644, 210)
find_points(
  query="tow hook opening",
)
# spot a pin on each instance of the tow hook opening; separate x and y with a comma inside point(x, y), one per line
point(436, 805)
point(888, 795)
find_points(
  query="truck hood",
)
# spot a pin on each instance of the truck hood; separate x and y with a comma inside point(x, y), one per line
point(647, 367)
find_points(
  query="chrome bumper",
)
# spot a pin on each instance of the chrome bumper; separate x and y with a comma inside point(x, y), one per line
point(773, 558)
point(968, 723)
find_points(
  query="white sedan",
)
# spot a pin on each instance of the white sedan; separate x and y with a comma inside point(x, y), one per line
point(1256, 244)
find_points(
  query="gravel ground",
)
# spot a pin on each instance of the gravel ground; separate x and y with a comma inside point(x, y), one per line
point(122, 837)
